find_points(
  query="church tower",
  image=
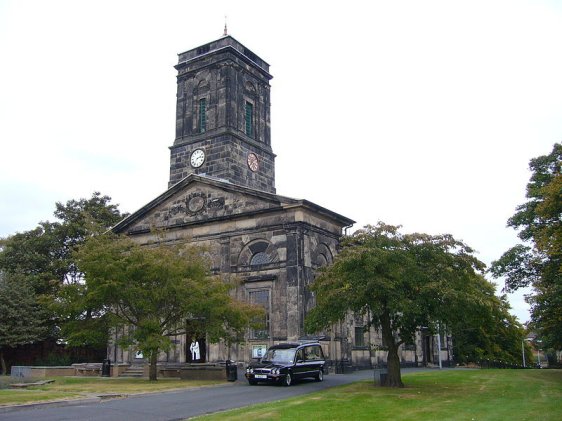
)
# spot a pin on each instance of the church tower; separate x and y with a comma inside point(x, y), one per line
point(223, 116)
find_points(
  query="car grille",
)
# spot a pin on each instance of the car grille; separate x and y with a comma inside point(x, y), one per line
point(262, 370)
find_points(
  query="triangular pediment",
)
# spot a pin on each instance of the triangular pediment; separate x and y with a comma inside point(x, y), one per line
point(198, 199)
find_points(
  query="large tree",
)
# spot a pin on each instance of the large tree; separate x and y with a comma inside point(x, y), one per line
point(403, 282)
point(21, 319)
point(489, 334)
point(151, 291)
point(538, 261)
point(43, 256)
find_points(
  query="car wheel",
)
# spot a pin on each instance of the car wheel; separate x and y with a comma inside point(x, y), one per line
point(287, 380)
point(320, 376)
point(252, 382)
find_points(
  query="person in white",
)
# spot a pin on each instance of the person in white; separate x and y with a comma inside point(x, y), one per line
point(194, 348)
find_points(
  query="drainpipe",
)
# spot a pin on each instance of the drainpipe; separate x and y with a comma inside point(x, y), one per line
point(439, 346)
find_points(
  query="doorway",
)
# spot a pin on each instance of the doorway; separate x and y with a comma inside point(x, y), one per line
point(195, 344)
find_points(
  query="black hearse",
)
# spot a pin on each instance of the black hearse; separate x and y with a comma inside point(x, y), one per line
point(284, 363)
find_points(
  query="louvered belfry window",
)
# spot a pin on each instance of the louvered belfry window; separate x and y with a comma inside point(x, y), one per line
point(249, 119)
point(202, 115)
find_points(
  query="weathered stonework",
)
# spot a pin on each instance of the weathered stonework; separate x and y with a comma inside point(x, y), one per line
point(227, 76)
point(272, 244)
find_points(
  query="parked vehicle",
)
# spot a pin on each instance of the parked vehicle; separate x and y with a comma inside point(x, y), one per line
point(287, 362)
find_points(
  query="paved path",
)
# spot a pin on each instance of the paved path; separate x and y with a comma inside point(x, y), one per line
point(178, 405)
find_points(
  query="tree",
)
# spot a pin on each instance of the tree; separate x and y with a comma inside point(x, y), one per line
point(402, 281)
point(538, 261)
point(489, 334)
point(21, 319)
point(152, 291)
point(43, 256)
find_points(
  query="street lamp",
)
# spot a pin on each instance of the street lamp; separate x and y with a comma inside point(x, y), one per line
point(538, 354)
point(538, 358)
point(523, 351)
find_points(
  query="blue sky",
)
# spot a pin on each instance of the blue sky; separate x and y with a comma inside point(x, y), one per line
point(424, 114)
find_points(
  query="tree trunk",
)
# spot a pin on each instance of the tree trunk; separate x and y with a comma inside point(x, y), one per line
point(152, 373)
point(394, 378)
point(3, 364)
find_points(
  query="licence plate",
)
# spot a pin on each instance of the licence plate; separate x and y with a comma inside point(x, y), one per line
point(260, 376)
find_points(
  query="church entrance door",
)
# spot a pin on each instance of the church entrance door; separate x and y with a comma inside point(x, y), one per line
point(195, 344)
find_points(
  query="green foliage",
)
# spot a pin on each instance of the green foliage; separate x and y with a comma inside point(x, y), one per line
point(54, 359)
point(21, 319)
point(44, 255)
point(540, 264)
point(43, 258)
point(490, 334)
point(152, 291)
point(35, 255)
point(403, 282)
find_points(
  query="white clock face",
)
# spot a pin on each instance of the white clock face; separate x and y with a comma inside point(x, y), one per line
point(197, 158)
point(253, 162)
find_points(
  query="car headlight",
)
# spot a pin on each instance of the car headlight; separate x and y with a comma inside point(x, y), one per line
point(275, 371)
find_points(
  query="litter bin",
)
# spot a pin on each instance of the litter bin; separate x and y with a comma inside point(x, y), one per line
point(231, 371)
point(380, 376)
point(106, 368)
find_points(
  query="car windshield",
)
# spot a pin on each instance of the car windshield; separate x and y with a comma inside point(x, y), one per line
point(279, 356)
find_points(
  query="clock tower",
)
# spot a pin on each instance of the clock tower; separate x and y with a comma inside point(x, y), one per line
point(223, 116)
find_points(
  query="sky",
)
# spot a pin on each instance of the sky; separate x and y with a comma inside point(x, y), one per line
point(423, 114)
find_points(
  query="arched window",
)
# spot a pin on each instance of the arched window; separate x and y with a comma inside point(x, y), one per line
point(257, 253)
point(260, 258)
point(322, 255)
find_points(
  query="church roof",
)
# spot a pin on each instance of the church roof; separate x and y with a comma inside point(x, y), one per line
point(275, 202)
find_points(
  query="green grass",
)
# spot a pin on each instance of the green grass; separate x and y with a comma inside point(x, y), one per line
point(81, 387)
point(18, 397)
point(436, 395)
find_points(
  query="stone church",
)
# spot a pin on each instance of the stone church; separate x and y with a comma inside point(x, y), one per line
point(221, 195)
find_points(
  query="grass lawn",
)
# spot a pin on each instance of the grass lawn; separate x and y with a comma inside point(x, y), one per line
point(435, 395)
point(80, 387)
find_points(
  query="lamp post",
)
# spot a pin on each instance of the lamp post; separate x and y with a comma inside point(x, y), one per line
point(538, 358)
point(523, 351)
point(538, 341)
point(439, 346)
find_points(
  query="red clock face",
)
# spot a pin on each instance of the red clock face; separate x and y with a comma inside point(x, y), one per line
point(253, 162)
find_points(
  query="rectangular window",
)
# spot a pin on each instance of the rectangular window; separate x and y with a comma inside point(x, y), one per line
point(202, 115)
point(359, 336)
point(409, 347)
point(260, 298)
point(249, 119)
point(313, 353)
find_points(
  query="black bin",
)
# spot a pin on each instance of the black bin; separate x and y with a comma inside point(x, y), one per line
point(381, 375)
point(231, 371)
point(106, 368)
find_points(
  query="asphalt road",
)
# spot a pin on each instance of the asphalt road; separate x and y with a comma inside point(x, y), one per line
point(179, 405)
